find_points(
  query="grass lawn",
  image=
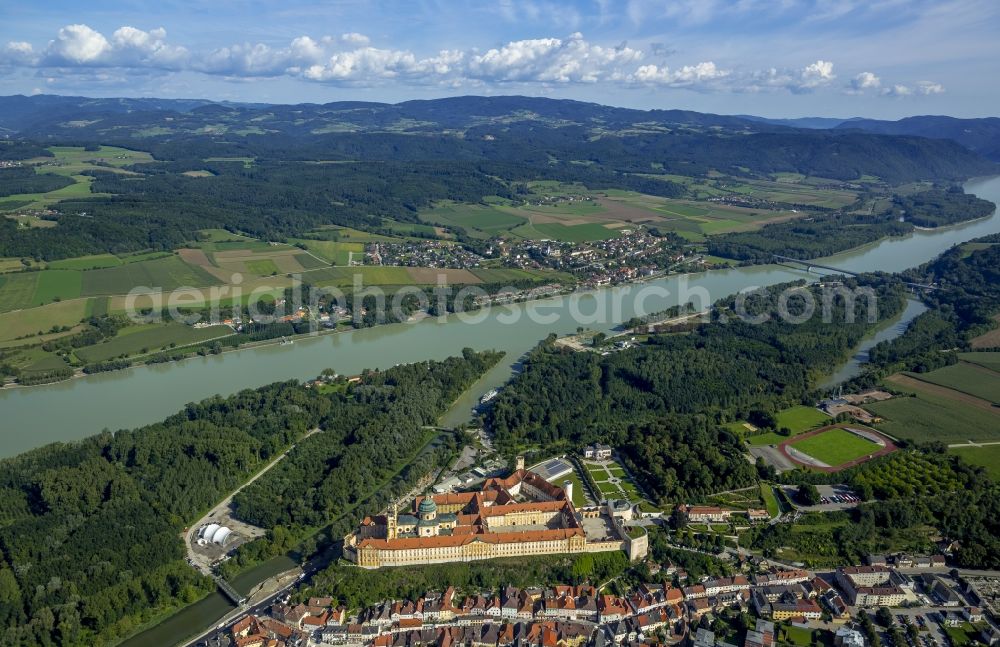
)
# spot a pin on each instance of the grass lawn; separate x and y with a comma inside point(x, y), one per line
point(770, 501)
point(968, 378)
point(801, 637)
point(609, 489)
point(932, 417)
point(836, 446)
point(987, 456)
point(802, 418)
point(149, 338)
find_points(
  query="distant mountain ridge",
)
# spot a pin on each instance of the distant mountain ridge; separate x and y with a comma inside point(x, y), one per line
point(981, 135)
point(510, 129)
point(812, 123)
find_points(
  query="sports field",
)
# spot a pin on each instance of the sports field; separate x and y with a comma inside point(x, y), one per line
point(835, 447)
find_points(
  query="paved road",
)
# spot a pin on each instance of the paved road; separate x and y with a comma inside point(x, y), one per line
point(200, 561)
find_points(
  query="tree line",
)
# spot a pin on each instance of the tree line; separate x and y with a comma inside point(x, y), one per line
point(90, 542)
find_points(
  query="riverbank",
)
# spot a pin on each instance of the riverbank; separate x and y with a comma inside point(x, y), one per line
point(117, 400)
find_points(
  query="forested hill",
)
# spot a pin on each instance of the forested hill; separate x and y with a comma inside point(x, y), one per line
point(90, 545)
point(979, 135)
point(511, 128)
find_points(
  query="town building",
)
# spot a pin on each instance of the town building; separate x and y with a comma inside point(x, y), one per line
point(869, 586)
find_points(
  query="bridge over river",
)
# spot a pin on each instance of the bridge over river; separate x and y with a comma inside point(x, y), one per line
point(809, 265)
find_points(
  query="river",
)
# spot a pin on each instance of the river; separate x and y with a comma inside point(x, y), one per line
point(74, 409)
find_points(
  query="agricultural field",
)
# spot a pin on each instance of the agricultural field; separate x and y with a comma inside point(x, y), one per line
point(165, 273)
point(581, 233)
point(835, 446)
point(504, 274)
point(11, 265)
point(478, 221)
point(150, 338)
point(796, 189)
point(17, 291)
point(989, 339)
point(93, 262)
point(935, 413)
point(42, 319)
point(970, 379)
point(71, 161)
point(333, 252)
point(368, 275)
point(984, 359)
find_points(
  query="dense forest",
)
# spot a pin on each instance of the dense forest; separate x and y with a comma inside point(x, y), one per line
point(370, 434)
point(89, 531)
point(826, 234)
point(805, 238)
point(23, 179)
point(662, 402)
point(937, 208)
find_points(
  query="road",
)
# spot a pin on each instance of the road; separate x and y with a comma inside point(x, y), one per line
point(201, 561)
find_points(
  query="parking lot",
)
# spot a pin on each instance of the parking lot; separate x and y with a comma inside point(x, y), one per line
point(833, 497)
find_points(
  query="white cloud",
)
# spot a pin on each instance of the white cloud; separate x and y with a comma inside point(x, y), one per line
point(864, 81)
point(687, 76)
point(78, 44)
point(552, 60)
point(350, 59)
point(354, 38)
point(897, 90)
point(929, 87)
point(799, 81)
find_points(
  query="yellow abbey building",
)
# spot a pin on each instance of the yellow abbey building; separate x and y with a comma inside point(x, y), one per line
point(522, 514)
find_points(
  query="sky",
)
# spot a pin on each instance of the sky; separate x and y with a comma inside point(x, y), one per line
point(774, 58)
